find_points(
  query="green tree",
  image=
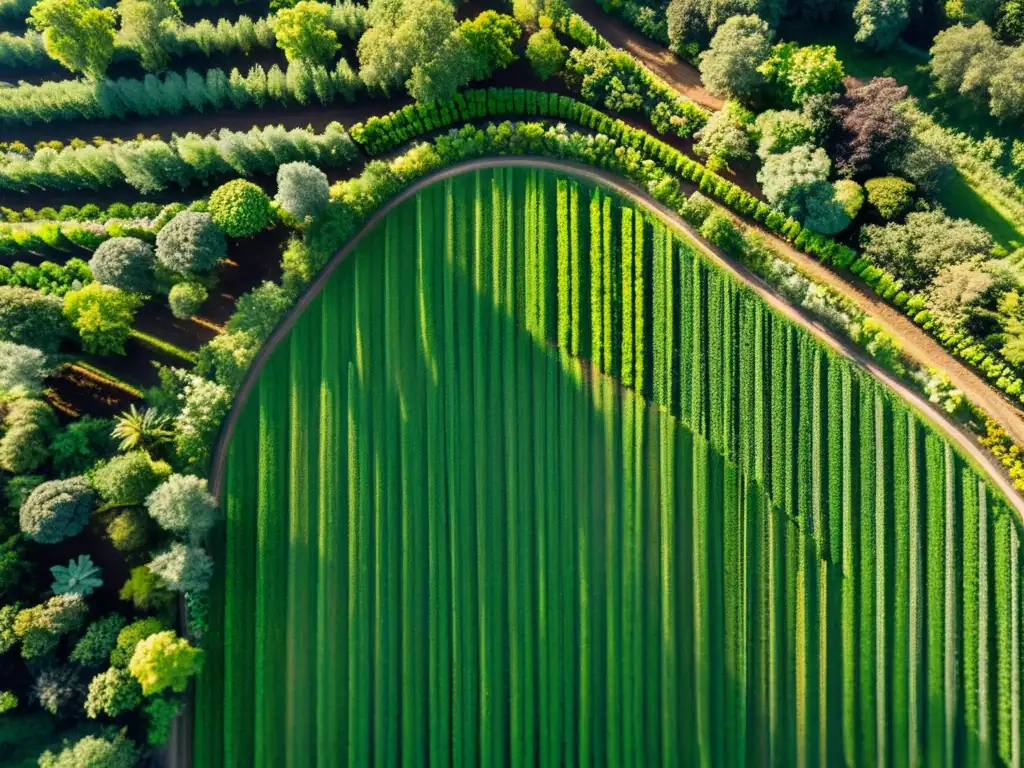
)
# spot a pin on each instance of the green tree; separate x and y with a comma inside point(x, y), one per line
point(31, 318)
point(545, 53)
point(891, 196)
point(402, 35)
point(240, 208)
point(1007, 90)
point(94, 752)
point(302, 190)
point(780, 131)
point(304, 34)
point(491, 35)
point(803, 71)
point(183, 505)
point(191, 243)
point(964, 60)
point(163, 661)
point(103, 317)
point(730, 65)
point(880, 22)
point(145, 28)
point(129, 478)
point(789, 179)
point(57, 510)
point(111, 693)
point(22, 369)
point(77, 34)
point(724, 138)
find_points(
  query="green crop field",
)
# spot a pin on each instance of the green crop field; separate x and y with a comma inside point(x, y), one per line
point(531, 482)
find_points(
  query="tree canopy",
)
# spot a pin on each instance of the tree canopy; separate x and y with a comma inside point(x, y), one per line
point(77, 34)
point(730, 65)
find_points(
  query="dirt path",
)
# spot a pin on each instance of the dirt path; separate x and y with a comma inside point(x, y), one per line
point(677, 73)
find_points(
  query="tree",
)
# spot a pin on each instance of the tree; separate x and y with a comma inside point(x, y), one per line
point(302, 190)
point(163, 661)
point(890, 195)
point(191, 243)
point(607, 77)
point(259, 311)
point(880, 22)
point(57, 510)
point(850, 195)
point(240, 208)
point(186, 298)
point(803, 71)
point(40, 628)
point(145, 591)
point(965, 295)
point(1011, 21)
point(183, 568)
point(730, 66)
point(31, 318)
point(183, 506)
point(128, 479)
point(57, 688)
point(402, 34)
point(780, 131)
point(791, 178)
point(103, 317)
point(100, 637)
point(145, 27)
point(129, 530)
point(22, 369)
point(964, 60)
point(77, 34)
point(93, 752)
point(872, 128)
point(687, 26)
point(112, 692)
point(823, 210)
point(303, 32)
point(78, 446)
point(206, 403)
point(924, 244)
point(142, 430)
point(491, 36)
point(545, 53)
point(133, 634)
point(23, 449)
point(125, 263)
point(724, 137)
point(160, 714)
point(1007, 89)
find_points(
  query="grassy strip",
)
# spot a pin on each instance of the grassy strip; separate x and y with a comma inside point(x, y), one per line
point(165, 346)
point(105, 378)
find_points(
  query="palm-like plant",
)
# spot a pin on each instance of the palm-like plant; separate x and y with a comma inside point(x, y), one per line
point(80, 577)
point(144, 429)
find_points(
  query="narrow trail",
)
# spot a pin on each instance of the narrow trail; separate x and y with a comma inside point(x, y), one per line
point(916, 343)
point(797, 315)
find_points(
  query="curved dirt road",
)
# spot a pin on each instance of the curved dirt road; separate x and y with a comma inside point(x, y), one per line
point(609, 180)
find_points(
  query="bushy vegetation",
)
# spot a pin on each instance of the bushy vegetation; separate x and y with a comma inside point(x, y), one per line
point(240, 208)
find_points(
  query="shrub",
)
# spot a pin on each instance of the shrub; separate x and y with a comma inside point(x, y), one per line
point(93, 752)
point(241, 208)
point(160, 713)
point(729, 67)
point(22, 369)
point(185, 299)
point(183, 568)
point(112, 692)
point(125, 263)
point(141, 430)
point(131, 636)
point(18, 489)
point(23, 449)
point(260, 310)
point(35, 412)
point(302, 190)
point(206, 403)
point(191, 244)
point(303, 32)
point(8, 701)
point(8, 617)
point(41, 628)
point(128, 479)
point(145, 591)
point(163, 661)
point(129, 531)
point(697, 208)
point(103, 317)
point(850, 195)
point(78, 446)
point(57, 509)
point(56, 688)
point(890, 195)
point(78, 577)
point(100, 638)
point(720, 229)
point(183, 505)
point(545, 53)
point(780, 131)
point(31, 318)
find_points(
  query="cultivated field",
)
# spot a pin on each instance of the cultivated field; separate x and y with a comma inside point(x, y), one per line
point(531, 482)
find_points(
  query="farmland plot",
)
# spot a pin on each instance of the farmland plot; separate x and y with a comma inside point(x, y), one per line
point(531, 482)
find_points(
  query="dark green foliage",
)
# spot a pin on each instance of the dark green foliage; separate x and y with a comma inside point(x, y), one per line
point(100, 638)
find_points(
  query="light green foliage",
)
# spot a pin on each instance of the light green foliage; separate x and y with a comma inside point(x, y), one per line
point(545, 53)
point(129, 530)
point(131, 635)
point(303, 32)
point(79, 577)
point(21, 369)
point(780, 131)
point(968, 293)
point(100, 638)
point(850, 195)
point(23, 448)
point(183, 505)
point(160, 714)
point(730, 65)
point(8, 701)
point(112, 692)
point(191, 243)
point(491, 36)
point(720, 228)
point(403, 34)
point(203, 406)
point(103, 317)
point(129, 478)
point(163, 661)
point(8, 637)
point(31, 318)
point(302, 190)
point(790, 179)
point(724, 137)
point(259, 311)
point(226, 358)
point(183, 568)
point(605, 76)
point(964, 59)
point(697, 208)
point(141, 430)
point(145, 591)
point(803, 71)
point(76, 33)
point(891, 196)
point(40, 628)
point(56, 510)
point(1007, 91)
point(186, 298)
point(880, 22)
point(93, 752)
point(147, 27)
point(240, 208)
point(125, 263)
